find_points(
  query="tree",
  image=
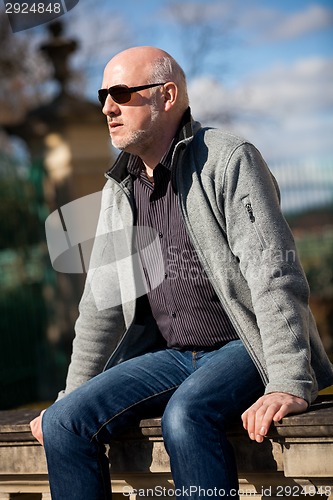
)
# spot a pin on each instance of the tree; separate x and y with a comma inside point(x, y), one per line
point(204, 32)
point(24, 72)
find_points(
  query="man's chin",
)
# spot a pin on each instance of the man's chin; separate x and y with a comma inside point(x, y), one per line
point(118, 145)
point(133, 143)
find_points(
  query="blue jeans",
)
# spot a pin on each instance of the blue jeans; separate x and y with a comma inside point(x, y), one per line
point(198, 394)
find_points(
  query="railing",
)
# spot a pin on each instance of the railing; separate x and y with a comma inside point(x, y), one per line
point(305, 185)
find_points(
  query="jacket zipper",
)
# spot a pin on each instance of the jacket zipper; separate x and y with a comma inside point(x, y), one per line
point(249, 209)
point(132, 322)
point(252, 218)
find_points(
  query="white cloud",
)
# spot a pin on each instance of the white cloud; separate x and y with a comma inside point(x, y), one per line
point(191, 12)
point(314, 18)
point(303, 87)
point(287, 110)
point(270, 24)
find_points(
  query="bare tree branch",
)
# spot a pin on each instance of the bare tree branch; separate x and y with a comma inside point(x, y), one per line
point(24, 72)
point(204, 34)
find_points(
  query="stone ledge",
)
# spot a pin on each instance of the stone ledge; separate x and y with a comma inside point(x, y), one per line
point(295, 457)
point(317, 421)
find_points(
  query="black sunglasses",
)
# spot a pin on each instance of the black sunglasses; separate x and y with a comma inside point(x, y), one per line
point(121, 93)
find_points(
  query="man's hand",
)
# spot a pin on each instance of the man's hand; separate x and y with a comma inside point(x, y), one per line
point(36, 427)
point(270, 407)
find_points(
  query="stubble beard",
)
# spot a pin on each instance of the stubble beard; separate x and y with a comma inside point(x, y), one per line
point(133, 141)
point(138, 141)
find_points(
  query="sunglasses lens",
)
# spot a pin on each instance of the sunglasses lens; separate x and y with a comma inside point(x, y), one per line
point(102, 95)
point(120, 94)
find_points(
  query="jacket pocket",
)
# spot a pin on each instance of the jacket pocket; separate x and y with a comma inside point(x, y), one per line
point(251, 215)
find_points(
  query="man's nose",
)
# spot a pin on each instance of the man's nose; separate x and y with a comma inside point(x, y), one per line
point(110, 106)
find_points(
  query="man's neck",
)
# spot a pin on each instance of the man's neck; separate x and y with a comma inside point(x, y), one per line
point(152, 159)
point(150, 172)
point(162, 145)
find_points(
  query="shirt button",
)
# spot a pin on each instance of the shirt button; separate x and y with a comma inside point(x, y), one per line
point(160, 234)
point(165, 275)
point(173, 314)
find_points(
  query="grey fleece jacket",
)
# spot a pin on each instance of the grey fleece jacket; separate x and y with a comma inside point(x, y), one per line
point(230, 204)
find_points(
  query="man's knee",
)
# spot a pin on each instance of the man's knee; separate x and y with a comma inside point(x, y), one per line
point(179, 421)
point(50, 421)
point(58, 420)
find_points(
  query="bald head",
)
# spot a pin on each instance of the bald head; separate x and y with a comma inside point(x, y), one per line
point(139, 56)
point(151, 65)
point(146, 123)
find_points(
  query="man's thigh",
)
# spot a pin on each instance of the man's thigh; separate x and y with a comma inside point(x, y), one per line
point(121, 396)
point(224, 383)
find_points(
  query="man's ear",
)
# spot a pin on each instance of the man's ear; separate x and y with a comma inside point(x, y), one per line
point(170, 95)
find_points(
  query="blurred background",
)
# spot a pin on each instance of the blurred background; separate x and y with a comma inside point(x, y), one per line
point(262, 69)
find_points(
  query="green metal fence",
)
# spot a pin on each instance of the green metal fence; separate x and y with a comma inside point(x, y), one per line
point(24, 273)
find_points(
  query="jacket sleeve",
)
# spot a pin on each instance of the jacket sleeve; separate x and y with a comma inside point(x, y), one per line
point(97, 333)
point(100, 324)
point(261, 240)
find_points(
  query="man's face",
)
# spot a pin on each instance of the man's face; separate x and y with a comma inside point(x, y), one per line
point(133, 126)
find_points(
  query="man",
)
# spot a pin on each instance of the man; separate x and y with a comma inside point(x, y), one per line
point(231, 307)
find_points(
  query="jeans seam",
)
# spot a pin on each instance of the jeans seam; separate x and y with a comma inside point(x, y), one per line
point(132, 406)
point(102, 476)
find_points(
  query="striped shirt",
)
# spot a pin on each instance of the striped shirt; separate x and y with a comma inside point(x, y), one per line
point(185, 305)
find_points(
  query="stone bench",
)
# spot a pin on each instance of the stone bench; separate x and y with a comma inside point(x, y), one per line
point(295, 460)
